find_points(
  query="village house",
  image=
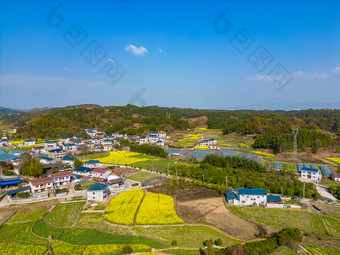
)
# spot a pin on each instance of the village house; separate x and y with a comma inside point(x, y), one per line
point(210, 142)
point(4, 141)
point(64, 140)
point(143, 140)
point(100, 173)
point(153, 139)
point(92, 163)
point(38, 150)
point(56, 154)
point(61, 178)
point(72, 147)
point(162, 134)
point(97, 192)
point(68, 161)
point(98, 147)
point(91, 132)
point(51, 145)
point(107, 147)
point(28, 143)
point(83, 171)
point(41, 184)
point(246, 197)
point(46, 160)
point(310, 173)
point(336, 177)
point(160, 143)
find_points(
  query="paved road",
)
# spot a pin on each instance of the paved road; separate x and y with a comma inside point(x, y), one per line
point(324, 192)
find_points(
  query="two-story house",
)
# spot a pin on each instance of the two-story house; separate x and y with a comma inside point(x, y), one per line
point(56, 154)
point(92, 163)
point(247, 197)
point(41, 184)
point(61, 178)
point(310, 173)
point(51, 145)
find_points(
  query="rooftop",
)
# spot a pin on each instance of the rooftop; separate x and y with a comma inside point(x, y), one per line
point(83, 169)
point(92, 162)
point(99, 170)
point(41, 181)
point(309, 170)
point(97, 187)
point(261, 192)
point(60, 174)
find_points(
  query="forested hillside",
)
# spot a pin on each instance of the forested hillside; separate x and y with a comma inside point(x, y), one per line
point(273, 129)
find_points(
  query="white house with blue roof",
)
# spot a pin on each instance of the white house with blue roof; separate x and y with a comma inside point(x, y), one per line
point(247, 197)
point(51, 145)
point(310, 173)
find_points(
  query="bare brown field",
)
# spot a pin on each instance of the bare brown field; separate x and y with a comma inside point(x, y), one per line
point(212, 211)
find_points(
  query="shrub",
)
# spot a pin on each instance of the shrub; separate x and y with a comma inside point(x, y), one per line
point(23, 194)
point(127, 249)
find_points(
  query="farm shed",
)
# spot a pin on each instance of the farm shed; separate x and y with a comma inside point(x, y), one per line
point(325, 171)
point(306, 165)
point(314, 167)
point(12, 193)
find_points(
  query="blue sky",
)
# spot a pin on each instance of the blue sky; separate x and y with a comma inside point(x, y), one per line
point(171, 54)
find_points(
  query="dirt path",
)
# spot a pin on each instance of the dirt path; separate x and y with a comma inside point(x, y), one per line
point(324, 192)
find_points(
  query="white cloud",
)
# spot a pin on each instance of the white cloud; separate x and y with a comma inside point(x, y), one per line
point(320, 75)
point(140, 51)
point(159, 50)
point(66, 69)
point(298, 73)
point(260, 77)
point(111, 60)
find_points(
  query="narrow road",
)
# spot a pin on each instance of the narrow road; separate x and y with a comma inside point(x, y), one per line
point(324, 192)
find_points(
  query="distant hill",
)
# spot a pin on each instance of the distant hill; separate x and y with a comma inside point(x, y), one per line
point(318, 127)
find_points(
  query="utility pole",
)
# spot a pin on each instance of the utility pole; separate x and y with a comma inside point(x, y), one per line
point(295, 133)
point(226, 180)
point(281, 191)
point(168, 168)
point(303, 197)
point(176, 171)
point(203, 177)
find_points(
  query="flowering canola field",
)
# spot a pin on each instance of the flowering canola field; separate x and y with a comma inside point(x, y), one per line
point(336, 160)
point(123, 158)
point(122, 209)
point(157, 209)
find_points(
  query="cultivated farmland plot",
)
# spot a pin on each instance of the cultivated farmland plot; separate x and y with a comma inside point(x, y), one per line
point(65, 214)
point(122, 209)
point(157, 209)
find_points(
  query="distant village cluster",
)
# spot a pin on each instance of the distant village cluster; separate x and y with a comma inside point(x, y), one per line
point(58, 155)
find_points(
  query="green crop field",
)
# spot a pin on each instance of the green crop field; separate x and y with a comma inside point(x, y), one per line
point(322, 251)
point(19, 249)
point(83, 236)
point(65, 214)
point(186, 236)
point(180, 252)
point(142, 176)
point(283, 218)
point(63, 248)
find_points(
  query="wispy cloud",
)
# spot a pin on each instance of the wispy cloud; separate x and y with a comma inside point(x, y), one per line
point(159, 50)
point(111, 60)
point(66, 69)
point(140, 51)
point(297, 74)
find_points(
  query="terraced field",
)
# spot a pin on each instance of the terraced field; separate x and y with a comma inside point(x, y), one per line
point(65, 214)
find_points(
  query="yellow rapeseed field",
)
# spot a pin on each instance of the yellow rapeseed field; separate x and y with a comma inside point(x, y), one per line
point(334, 159)
point(123, 158)
point(122, 209)
point(157, 209)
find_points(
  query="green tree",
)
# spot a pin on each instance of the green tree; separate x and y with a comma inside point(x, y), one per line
point(127, 249)
point(77, 163)
point(174, 243)
point(32, 167)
